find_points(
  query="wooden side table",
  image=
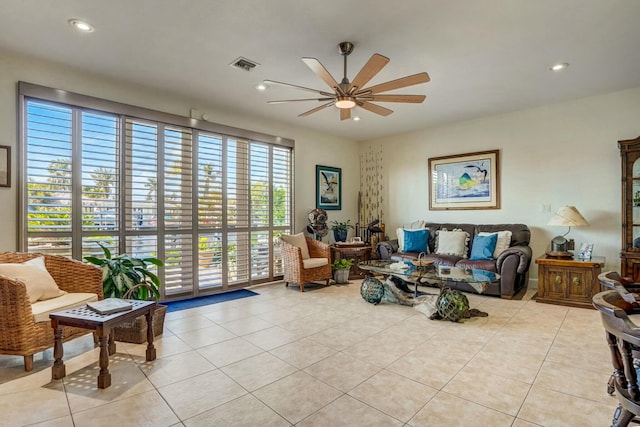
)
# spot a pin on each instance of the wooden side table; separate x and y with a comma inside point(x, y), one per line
point(569, 282)
point(354, 253)
point(83, 317)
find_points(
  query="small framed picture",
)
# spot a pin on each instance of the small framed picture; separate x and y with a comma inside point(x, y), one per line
point(585, 251)
point(328, 188)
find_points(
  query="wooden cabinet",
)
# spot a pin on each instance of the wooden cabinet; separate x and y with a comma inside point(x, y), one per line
point(630, 252)
point(355, 253)
point(568, 281)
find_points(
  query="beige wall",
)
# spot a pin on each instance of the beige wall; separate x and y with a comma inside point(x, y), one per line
point(553, 155)
point(563, 154)
point(311, 148)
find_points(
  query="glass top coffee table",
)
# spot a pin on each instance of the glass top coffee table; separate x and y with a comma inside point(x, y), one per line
point(477, 279)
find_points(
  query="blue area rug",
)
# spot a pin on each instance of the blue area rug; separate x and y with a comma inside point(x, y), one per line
point(209, 299)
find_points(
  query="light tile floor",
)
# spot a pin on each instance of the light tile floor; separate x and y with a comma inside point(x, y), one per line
point(325, 357)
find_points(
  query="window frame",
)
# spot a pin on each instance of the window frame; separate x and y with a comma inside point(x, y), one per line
point(29, 91)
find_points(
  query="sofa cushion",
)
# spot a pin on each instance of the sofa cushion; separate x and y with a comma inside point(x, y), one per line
point(414, 225)
point(299, 241)
point(39, 283)
point(314, 262)
point(42, 309)
point(520, 233)
point(415, 240)
point(503, 243)
point(488, 265)
point(434, 227)
point(483, 247)
point(454, 242)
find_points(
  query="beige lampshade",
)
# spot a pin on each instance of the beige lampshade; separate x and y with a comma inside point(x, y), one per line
point(568, 216)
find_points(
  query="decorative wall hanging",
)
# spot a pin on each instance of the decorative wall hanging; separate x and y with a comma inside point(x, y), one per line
point(465, 181)
point(328, 188)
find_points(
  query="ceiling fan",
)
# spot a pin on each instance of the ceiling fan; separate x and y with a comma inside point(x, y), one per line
point(347, 95)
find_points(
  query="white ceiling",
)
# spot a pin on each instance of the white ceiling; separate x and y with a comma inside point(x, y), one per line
point(484, 56)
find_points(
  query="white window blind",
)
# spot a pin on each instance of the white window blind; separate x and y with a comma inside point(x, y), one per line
point(211, 206)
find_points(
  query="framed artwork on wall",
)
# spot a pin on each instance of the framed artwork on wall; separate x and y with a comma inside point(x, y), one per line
point(328, 188)
point(465, 181)
point(5, 166)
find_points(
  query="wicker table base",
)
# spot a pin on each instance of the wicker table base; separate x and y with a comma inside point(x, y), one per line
point(83, 317)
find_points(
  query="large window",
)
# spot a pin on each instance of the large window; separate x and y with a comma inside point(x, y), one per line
point(209, 204)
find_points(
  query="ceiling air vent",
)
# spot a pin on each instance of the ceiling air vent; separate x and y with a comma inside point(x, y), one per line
point(244, 64)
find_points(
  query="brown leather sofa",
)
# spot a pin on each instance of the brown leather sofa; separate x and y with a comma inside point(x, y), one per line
point(512, 264)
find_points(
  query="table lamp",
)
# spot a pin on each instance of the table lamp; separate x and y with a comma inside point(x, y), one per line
point(567, 216)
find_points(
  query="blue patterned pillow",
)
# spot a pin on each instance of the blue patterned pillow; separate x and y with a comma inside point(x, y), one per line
point(416, 240)
point(483, 247)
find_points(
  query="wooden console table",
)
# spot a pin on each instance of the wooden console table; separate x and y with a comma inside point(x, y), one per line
point(569, 282)
point(355, 253)
point(84, 317)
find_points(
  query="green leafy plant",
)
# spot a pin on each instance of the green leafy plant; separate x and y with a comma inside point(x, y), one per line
point(341, 226)
point(123, 272)
point(342, 263)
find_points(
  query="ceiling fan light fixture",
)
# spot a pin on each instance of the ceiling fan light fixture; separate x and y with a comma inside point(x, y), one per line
point(345, 102)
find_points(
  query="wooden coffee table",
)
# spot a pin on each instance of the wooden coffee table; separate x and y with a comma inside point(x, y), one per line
point(83, 317)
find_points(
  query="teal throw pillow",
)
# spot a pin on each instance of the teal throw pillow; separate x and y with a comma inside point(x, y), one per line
point(483, 247)
point(416, 240)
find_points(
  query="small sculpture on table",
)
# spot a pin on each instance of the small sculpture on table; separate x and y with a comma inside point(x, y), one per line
point(317, 223)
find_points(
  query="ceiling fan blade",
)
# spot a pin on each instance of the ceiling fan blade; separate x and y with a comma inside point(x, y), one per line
point(370, 69)
point(282, 101)
point(345, 113)
point(322, 72)
point(315, 110)
point(375, 108)
point(308, 89)
point(396, 84)
point(414, 99)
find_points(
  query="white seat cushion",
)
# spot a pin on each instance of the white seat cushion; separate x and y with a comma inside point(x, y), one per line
point(314, 262)
point(299, 241)
point(42, 309)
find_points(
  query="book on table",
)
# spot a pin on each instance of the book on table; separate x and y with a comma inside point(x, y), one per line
point(110, 305)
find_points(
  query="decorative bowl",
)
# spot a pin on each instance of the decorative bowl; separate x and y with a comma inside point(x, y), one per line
point(421, 262)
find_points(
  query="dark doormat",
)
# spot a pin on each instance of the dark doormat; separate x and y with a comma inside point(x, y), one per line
point(209, 299)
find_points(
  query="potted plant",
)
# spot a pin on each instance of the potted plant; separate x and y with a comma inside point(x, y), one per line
point(340, 230)
point(341, 269)
point(124, 276)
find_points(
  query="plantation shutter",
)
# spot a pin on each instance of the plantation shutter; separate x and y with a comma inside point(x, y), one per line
point(210, 205)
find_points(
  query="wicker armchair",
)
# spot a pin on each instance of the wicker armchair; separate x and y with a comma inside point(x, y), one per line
point(20, 334)
point(294, 270)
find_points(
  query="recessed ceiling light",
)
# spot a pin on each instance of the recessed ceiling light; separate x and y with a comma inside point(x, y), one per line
point(262, 87)
point(80, 25)
point(356, 119)
point(559, 67)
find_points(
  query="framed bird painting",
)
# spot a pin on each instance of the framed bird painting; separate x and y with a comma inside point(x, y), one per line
point(328, 188)
point(465, 181)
